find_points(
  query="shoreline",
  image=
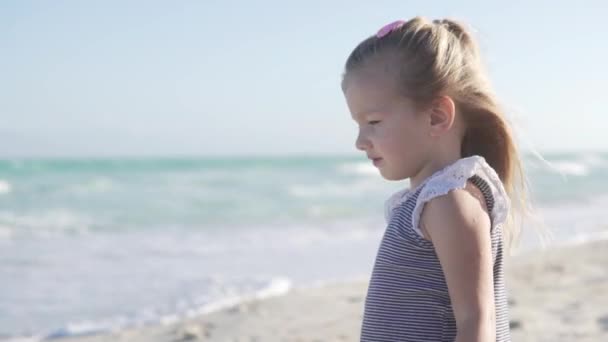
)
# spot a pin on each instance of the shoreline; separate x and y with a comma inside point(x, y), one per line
point(559, 293)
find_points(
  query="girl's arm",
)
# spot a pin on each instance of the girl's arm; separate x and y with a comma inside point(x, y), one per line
point(459, 227)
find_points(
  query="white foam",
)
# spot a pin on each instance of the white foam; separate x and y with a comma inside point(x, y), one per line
point(576, 240)
point(5, 232)
point(594, 160)
point(571, 168)
point(277, 286)
point(577, 165)
point(328, 189)
point(360, 168)
point(565, 223)
point(5, 187)
point(48, 223)
point(315, 236)
point(85, 328)
point(23, 339)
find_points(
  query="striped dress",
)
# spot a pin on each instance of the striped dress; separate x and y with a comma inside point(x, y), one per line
point(407, 298)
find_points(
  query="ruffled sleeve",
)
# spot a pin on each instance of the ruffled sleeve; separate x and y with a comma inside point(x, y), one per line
point(455, 176)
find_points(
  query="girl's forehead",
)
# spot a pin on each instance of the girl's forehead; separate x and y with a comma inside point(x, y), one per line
point(365, 86)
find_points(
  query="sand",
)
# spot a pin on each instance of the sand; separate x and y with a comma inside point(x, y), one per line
point(559, 294)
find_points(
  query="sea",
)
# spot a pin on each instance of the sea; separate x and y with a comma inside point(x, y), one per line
point(92, 245)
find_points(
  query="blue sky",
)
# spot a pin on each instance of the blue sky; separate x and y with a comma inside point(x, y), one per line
point(210, 78)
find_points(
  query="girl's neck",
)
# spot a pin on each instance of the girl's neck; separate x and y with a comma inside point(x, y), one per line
point(430, 168)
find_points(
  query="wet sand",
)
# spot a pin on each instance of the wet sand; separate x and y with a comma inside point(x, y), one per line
point(559, 294)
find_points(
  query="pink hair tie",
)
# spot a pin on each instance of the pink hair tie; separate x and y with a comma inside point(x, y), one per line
point(386, 29)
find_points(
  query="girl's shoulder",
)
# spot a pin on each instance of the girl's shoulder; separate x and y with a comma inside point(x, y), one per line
point(455, 176)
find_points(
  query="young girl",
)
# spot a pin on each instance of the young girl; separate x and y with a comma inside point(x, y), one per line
point(425, 112)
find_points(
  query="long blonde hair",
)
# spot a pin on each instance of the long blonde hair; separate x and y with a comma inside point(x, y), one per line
point(440, 57)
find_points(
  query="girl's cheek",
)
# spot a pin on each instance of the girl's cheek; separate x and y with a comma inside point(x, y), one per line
point(382, 132)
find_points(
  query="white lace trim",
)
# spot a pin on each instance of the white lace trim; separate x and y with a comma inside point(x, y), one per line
point(452, 177)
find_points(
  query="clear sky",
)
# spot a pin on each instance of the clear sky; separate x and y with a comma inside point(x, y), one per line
point(210, 78)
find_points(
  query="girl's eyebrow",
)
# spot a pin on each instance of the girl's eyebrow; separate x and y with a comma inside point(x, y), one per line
point(364, 113)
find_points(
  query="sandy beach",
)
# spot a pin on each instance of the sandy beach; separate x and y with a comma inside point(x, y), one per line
point(558, 294)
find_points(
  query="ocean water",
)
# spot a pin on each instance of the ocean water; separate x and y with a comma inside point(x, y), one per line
point(103, 244)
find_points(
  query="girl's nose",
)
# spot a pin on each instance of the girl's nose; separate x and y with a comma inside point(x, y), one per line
point(362, 143)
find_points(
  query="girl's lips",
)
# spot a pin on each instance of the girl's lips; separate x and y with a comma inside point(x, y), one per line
point(377, 160)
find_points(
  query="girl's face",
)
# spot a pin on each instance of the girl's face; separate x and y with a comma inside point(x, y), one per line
point(390, 129)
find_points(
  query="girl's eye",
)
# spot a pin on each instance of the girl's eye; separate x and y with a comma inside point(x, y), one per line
point(373, 122)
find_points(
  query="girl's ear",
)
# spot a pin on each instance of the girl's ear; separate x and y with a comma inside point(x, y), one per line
point(442, 115)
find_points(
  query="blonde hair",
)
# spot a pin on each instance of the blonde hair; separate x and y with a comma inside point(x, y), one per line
point(439, 57)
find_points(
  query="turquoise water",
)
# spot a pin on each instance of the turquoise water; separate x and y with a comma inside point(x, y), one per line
point(98, 244)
